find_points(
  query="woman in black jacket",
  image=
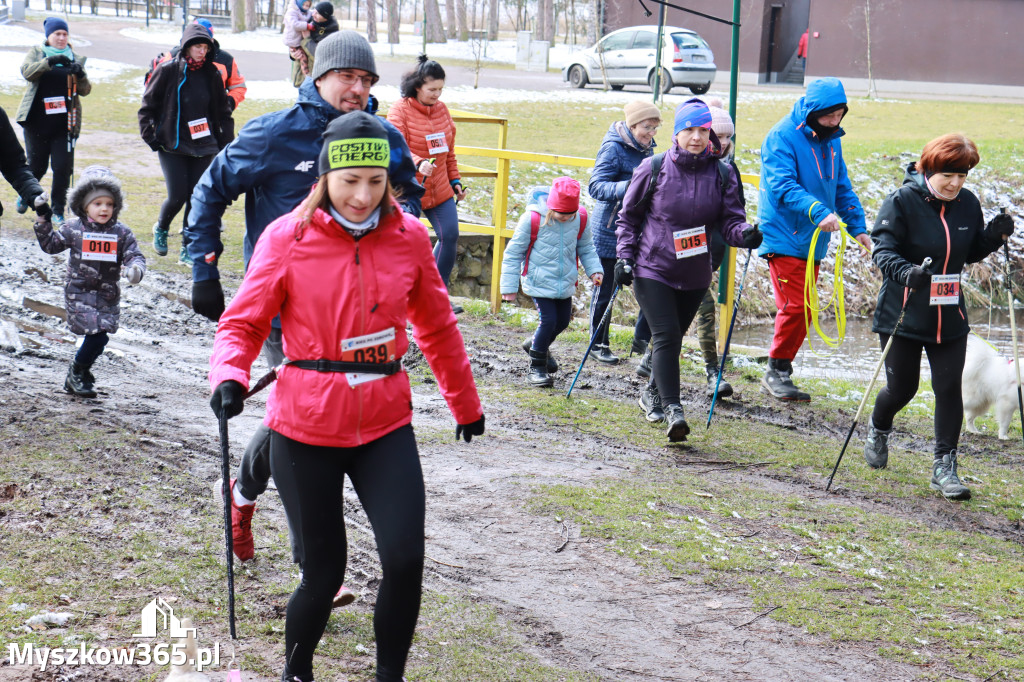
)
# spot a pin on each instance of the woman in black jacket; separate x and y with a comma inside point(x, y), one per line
point(930, 216)
point(186, 119)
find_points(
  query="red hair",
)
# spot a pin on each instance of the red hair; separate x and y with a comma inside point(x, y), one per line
point(952, 153)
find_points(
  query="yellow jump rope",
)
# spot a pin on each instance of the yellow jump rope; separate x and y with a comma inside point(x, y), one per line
point(836, 301)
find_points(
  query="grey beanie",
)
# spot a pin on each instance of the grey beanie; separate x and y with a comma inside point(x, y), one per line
point(344, 50)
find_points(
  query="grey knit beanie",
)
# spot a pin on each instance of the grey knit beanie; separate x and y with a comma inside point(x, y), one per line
point(344, 50)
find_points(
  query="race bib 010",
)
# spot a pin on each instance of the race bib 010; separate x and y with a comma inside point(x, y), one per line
point(97, 246)
point(945, 290)
point(690, 243)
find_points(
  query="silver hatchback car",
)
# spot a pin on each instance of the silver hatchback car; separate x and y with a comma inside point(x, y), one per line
point(629, 56)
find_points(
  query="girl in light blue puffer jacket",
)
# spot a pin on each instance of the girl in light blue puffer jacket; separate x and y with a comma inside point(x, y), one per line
point(551, 240)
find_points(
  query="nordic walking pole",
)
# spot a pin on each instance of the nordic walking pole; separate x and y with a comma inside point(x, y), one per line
point(867, 392)
point(604, 318)
point(225, 467)
point(728, 339)
point(1013, 329)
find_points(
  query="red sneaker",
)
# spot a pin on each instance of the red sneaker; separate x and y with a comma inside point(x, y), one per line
point(241, 524)
point(344, 597)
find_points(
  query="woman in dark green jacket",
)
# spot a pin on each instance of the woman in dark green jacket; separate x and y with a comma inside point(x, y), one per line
point(930, 216)
point(51, 111)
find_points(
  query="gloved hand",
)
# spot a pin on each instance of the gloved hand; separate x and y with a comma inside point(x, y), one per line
point(134, 273)
point(623, 272)
point(76, 69)
point(154, 145)
point(467, 431)
point(1000, 227)
point(232, 104)
point(43, 210)
point(58, 60)
point(208, 299)
point(752, 237)
point(40, 199)
point(227, 399)
point(918, 278)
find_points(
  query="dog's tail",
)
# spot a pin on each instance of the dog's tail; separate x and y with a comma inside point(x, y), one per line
point(188, 670)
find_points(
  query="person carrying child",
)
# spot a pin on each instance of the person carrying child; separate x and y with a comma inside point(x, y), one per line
point(296, 28)
point(100, 247)
point(550, 242)
point(322, 24)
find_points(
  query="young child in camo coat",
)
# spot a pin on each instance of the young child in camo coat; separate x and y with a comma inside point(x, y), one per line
point(100, 247)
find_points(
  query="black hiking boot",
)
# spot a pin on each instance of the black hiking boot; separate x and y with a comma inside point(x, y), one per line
point(77, 383)
point(552, 365)
point(876, 447)
point(539, 375)
point(724, 388)
point(946, 480)
point(678, 429)
point(639, 347)
point(644, 368)
point(604, 354)
point(778, 383)
point(650, 403)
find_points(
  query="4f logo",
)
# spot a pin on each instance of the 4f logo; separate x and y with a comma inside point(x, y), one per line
point(304, 166)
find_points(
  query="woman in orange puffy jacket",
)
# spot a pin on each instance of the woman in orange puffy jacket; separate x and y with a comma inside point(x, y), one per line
point(346, 271)
point(428, 128)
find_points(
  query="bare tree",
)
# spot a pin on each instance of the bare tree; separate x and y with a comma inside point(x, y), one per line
point(548, 33)
point(492, 20)
point(371, 21)
point(394, 18)
point(238, 15)
point(449, 10)
point(433, 26)
point(872, 93)
point(250, 15)
point(460, 18)
point(594, 27)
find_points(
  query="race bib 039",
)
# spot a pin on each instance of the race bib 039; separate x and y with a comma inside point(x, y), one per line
point(378, 348)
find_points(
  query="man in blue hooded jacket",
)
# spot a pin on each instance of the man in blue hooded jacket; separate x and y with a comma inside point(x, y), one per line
point(273, 162)
point(804, 187)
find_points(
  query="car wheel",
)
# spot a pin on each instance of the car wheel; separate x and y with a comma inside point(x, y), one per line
point(577, 76)
point(618, 87)
point(666, 81)
point(700, 89)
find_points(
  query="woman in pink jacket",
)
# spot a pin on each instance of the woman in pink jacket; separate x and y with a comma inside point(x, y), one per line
point(345, 271)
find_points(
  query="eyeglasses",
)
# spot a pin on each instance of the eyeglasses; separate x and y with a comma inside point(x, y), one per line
point(349, 78)
point(650, 128)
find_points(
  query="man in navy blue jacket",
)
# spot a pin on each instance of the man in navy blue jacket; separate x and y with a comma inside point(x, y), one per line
point(273, 162)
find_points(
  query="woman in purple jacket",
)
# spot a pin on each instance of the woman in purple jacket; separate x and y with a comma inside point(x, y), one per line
point(663, 242)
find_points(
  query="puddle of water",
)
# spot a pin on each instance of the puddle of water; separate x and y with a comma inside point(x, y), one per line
point(857, 356)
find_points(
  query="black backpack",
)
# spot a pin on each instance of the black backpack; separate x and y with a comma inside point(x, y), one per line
point(658, 159)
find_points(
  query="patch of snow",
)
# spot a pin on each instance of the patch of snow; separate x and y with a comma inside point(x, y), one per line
point(10, 70)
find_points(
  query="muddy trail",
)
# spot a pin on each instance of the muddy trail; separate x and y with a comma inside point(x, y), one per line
point(581, 605)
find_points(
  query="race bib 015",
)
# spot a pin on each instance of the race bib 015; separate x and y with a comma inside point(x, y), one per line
point(690, 243)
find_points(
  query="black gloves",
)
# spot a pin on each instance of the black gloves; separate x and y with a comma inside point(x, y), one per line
point(208, 299)
point(467, 431)
point(623, 272)
point(228, 399)
point(918, 278)
point(154, 145)
point(43, 210)
point(232, 104)
point(752, 237)
point(76, 69)
point(58, 60)
point(1000, 227)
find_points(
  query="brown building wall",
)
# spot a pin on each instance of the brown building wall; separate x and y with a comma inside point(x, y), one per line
point(952, 41)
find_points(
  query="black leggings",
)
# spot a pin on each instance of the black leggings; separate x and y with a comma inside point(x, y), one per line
point(92, 348)
point(599, 304)
point(555, 316)
point(669, 313)
point(43, 150)
point(387, 478)
point(181, 173)
point(902, 374)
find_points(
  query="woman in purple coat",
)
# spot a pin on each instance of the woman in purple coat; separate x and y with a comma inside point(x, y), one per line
point(662, 241)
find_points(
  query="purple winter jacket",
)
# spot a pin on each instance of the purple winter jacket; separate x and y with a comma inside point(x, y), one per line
point(688, 194)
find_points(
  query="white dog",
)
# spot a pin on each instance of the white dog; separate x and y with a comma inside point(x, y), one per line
point(187, 672)
point(988, 380)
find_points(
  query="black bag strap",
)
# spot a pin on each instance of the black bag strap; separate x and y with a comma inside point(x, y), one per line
point(656, 161)
point(386, 368)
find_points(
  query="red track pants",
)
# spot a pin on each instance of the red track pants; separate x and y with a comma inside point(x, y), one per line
point(788, 274)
